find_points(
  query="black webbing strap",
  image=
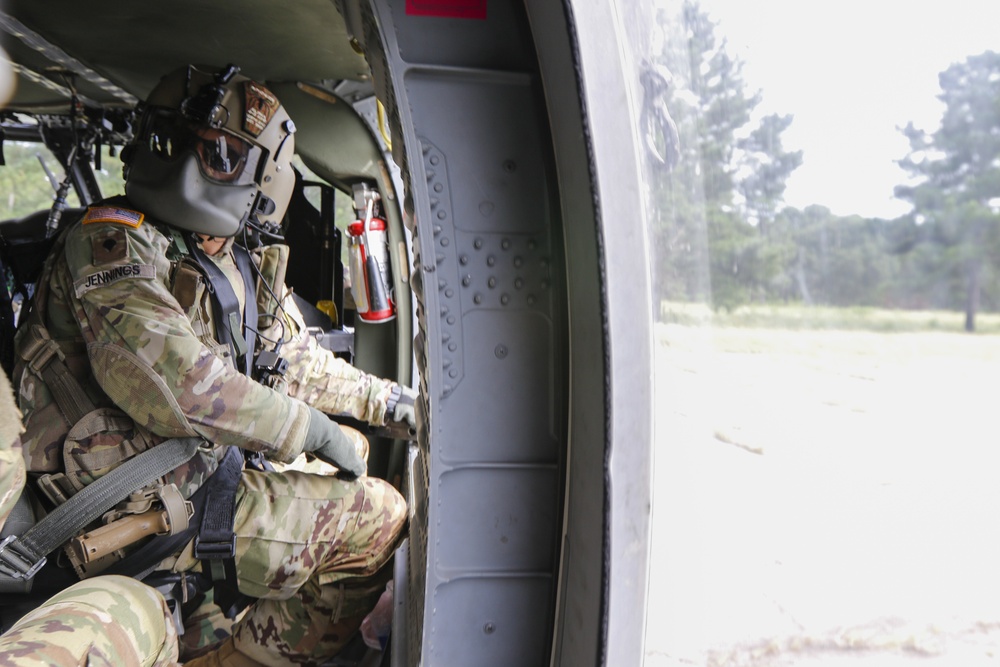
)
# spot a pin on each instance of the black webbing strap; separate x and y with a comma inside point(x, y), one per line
point(230, 328)
point(209, 498)
point(211, 526)
point(22, 556)
point(216, 539)
point(245, 265)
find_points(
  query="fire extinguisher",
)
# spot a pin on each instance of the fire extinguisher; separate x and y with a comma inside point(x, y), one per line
point(368, 241)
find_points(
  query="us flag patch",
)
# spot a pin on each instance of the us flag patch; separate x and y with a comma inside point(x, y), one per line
point(122, 216)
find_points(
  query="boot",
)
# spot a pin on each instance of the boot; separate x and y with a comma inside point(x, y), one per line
point(225, 655)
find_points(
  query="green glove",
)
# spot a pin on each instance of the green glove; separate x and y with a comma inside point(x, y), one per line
point(403, 409)
point(328, 442)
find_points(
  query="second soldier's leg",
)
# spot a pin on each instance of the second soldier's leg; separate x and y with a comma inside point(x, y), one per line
point(311, 549)
point(107, 621)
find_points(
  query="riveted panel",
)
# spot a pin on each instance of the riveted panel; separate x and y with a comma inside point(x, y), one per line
point(500, 519)
point(499, 346)
point(491, 622)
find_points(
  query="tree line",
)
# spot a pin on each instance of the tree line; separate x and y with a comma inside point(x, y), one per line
point(723, 235)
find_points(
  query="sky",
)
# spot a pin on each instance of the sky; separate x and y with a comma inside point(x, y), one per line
point(851, 72)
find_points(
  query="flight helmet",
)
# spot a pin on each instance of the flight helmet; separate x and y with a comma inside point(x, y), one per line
point(212, 152)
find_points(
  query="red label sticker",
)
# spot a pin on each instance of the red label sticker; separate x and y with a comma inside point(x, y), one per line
point(456, 9)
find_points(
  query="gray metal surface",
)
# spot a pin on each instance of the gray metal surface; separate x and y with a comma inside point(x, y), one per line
point(492, 340)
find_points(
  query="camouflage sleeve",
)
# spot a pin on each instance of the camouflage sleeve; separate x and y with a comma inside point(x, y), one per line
point(107, 621)
point(11, 461)
point(326, 382)
point(147, 357)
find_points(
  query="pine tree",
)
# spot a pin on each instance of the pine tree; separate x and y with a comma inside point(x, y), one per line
point(710, 241)
point(956, 199)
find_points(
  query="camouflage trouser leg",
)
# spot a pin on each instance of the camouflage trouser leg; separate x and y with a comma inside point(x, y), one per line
point(309, 546)
point(107, 621)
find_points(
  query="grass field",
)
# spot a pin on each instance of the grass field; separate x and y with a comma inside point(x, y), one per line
point(825, 487)
point(797, 317)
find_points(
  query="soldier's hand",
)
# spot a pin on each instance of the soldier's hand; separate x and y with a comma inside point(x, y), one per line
point(405, 410)
point(328, 442)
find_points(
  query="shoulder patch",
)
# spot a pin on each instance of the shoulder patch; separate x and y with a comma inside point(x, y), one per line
point(113, 275)
point(109, 244)
point(260, 104)
point(122, 216)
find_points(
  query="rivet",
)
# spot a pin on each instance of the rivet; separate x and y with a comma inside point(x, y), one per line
point(477, 244)
point(518, 261)
point(445, 241)
point(442, 215)
point(491, 260)
point(500, 351)
point(519, 283)
point(463, 260)
point(489, 628)
point(477, 299)
point(505, 244)
point(435, 159)
point(492, 282)
point(504, 299)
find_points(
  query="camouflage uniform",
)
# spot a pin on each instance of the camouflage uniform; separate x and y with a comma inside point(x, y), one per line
point(111, 621)
point(108, 621)
point(136, 329)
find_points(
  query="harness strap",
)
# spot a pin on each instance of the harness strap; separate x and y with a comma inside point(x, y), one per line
point(232, 330)
point(22, 556)
point(45, 358)
point(38, 352)
point(216, 539)
point(212, 527)
point(250, 315)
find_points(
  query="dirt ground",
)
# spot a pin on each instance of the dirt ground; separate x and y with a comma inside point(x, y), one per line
point(825, 498)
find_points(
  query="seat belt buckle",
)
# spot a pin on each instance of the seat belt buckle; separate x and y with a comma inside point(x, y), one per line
point(214, 549)
point(13, 564)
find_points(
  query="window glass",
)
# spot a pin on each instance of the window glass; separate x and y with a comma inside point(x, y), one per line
point(29, 179)
point(826, 256)
point(109, 176)
point(343, 203)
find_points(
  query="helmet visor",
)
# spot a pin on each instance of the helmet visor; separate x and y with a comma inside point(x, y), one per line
point(223, 157)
